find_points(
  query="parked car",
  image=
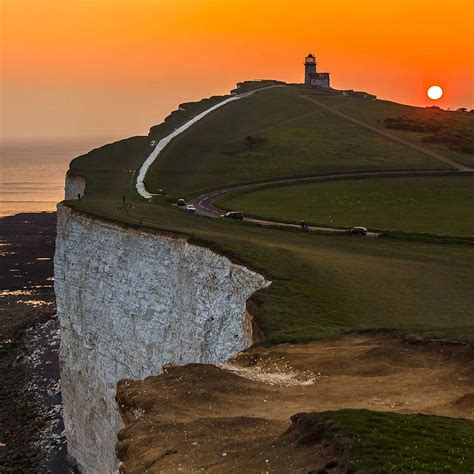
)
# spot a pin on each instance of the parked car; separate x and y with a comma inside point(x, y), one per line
point(181, 202)
point(234, 215)
point(358, 231)
point(190, 208)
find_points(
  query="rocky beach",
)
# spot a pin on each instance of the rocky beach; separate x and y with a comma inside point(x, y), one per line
point(31, 428)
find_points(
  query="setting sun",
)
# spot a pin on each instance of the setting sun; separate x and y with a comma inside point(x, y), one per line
point(435, 92)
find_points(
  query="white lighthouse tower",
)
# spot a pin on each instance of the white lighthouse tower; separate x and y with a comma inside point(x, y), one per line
point(312, 78)
point(309, 68)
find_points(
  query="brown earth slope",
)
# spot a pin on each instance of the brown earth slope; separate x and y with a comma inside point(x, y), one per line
point(236, 417)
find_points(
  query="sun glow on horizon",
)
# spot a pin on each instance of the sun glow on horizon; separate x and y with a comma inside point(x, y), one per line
point(435, 92)
point(89, 67)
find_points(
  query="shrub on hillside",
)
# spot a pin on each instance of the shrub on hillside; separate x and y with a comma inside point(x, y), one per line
point(252, 141)
point(457, 138)
point(413, 125)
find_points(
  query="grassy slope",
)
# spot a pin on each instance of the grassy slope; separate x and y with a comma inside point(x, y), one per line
point(435, 205)
point(111, 170)
point(377, 442)
point(302, 139)
point(327, 285)
point(321, 285)
point(374, 112)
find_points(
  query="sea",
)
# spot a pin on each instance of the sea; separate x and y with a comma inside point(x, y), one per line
point(32, 173)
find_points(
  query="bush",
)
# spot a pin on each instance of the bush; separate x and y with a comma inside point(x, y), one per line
point(456, 137)
point(252, 142)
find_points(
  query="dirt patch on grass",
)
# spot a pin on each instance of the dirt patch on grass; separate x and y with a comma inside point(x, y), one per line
point(236, 417)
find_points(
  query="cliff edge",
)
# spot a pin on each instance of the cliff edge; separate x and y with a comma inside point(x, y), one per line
point(130, 302)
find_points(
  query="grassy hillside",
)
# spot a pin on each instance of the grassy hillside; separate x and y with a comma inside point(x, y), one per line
point(374, 112)
point(377, 442)
point(322, 285)
point(328, 285)
point(434, 205)
point(110, 171)
point(293, 137)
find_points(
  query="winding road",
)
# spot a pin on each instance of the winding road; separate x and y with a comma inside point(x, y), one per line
point(204, 203)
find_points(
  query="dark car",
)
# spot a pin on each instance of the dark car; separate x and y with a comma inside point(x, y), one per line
point(181, 202)
point(234, 215)
point(358, 231)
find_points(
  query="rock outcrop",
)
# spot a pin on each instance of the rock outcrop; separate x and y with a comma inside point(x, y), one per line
point(129, 302)
point(75, 186)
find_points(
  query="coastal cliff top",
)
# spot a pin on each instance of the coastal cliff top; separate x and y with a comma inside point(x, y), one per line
point(385, 318)
point(323, 284)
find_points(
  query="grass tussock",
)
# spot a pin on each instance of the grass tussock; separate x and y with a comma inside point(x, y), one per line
point(373, 442)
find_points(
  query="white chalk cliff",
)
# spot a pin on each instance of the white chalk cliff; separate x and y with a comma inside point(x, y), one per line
point(75, 186)
point(129, 302)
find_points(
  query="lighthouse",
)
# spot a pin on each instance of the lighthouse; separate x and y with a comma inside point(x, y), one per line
point(312, 78)
point(309, 68)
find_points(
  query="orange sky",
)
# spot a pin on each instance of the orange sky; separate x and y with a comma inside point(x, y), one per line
point(115, 67)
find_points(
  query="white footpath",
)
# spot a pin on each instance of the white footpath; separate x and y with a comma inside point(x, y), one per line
point(161, 145)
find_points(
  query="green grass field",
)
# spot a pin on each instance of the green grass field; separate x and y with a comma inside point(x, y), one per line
point(301, 139)
point(441, 205)
point(322, 285)
point(377, 442)
point(329, 285)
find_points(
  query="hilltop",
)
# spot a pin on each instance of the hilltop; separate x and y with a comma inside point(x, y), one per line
point(300, 138)
point(323, 285)
point(355, 311)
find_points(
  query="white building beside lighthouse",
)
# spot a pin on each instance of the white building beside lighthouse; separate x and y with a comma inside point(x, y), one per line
point(313, 78)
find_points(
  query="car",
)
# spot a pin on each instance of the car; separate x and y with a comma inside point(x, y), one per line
point(181, 202)
point(190, 208)
point(239, 216)
point(358, 231)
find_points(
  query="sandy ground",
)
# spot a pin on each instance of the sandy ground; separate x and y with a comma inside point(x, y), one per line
point(236, 417)
point(31, 438)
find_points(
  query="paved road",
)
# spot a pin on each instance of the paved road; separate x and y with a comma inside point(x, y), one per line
point(204, 203)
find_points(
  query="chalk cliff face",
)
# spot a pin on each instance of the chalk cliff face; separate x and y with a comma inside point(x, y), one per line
point(75, 185)
point(130, 302)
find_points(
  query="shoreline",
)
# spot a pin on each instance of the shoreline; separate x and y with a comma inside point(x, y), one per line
point(30, 413)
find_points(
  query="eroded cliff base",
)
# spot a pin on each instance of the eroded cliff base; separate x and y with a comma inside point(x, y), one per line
point(236, 417)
